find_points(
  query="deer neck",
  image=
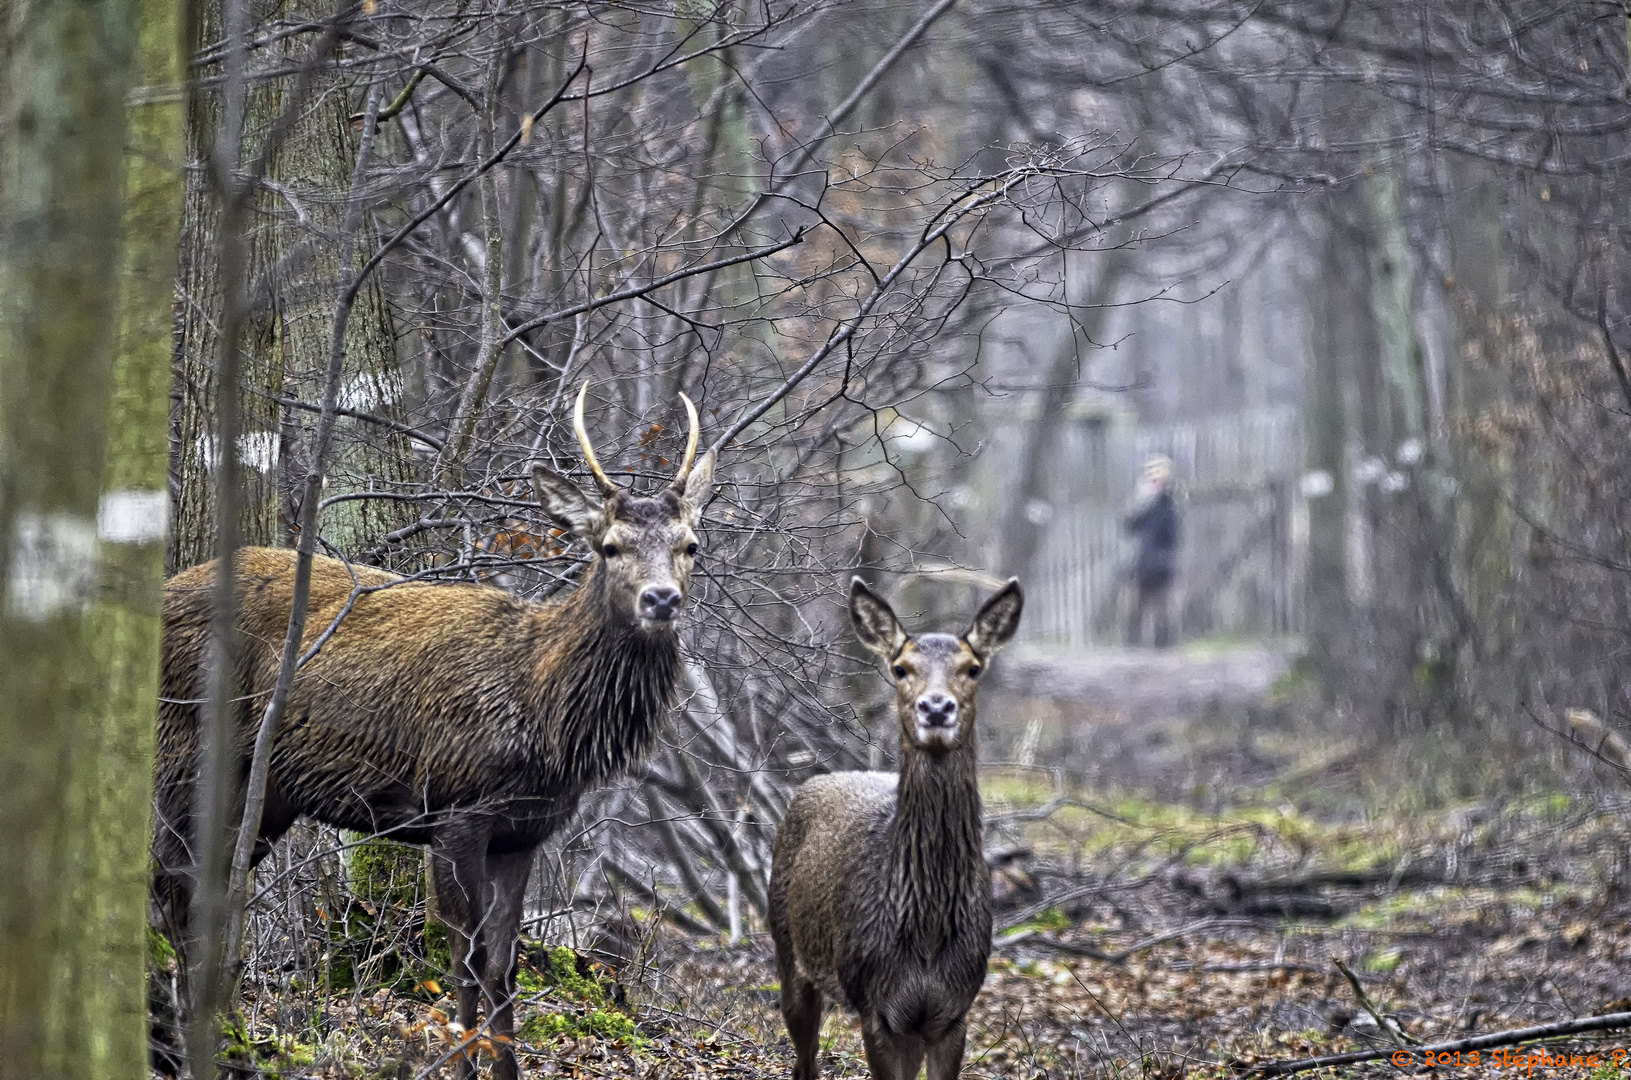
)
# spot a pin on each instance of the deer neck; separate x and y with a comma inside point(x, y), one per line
point(606, 685)
point(936, 844)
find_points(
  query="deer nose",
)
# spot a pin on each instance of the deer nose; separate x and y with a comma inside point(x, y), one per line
point(659, 602)
point(937, 710)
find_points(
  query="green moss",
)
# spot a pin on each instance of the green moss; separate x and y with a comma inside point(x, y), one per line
point(562, 973)
point(1298, 680)
point(1050, 920)
point(160, 953)
point(437, 951)
point(274, 1059)
point(1383, 961)
point(577, 1024)
point(376, 946)
point(384, 871)
point(1426, 907)
point(1218, 643)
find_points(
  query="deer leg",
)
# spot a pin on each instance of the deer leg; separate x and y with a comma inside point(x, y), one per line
point(174, 865)
point(946, 1053)
point(801, 998)
point(501, 929)
point(458, 858)
point(173, 873)
point(277, 815)
point(801, 1009)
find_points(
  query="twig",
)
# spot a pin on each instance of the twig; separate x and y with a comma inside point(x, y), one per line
point(1605, 1022)
point(971, 202)
point(1396, 1032)
point(829, 126)
point(367, 417)
point(634, 291)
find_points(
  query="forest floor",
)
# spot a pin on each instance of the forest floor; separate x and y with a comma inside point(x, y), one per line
point(1176, 895)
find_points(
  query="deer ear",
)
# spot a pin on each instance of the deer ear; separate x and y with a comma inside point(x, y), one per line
point(874, 619)
point(563, 501)
point(698, 487)
point(997, 620)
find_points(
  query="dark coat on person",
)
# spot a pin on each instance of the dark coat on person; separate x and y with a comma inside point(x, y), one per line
point(1155, 526)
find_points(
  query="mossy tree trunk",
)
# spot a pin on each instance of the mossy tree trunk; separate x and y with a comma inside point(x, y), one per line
point(66, 74)
point(101, 998)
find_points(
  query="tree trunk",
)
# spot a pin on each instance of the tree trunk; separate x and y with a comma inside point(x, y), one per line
point(101, 1004)
point(61, 190)
point(294, 270)
point(1326, 425)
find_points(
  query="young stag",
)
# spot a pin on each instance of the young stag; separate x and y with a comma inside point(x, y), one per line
point(879, 892)
point(455, 716)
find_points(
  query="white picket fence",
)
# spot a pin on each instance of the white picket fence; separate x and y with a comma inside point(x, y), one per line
point(1240, 558)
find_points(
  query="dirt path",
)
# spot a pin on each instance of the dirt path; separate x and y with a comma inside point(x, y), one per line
point(1168, 722)
point(1145, 683)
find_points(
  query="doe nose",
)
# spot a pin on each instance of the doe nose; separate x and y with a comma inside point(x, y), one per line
point(937, 710)
point(659, 602)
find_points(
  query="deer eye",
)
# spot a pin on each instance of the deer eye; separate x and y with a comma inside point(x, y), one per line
point(611, 551)
point(899, 672)
point(691, 549)
point(974, 671)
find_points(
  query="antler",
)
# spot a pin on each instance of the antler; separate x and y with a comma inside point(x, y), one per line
point(690, 446)
point(603, 482)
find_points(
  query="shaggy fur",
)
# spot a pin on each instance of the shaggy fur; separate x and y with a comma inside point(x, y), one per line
point(451, 715)
point(880, 897)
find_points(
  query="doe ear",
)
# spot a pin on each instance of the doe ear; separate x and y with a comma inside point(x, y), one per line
point(561, 499)
point(874, 619)
point(699, 486)
point(997, 619)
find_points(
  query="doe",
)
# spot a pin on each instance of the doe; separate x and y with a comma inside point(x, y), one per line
point(879, 893)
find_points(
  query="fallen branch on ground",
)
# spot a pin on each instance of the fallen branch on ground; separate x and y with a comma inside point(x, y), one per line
point(1606, 1022)
point(1234, 967)
point(1393, 1028)
point(1037, 937)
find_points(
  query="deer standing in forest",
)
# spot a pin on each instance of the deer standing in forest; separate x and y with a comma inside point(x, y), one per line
point(879, 892)
point(452, 715)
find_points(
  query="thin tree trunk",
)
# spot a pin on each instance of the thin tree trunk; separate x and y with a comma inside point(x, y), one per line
point(1326, 427)
point(1022, 536)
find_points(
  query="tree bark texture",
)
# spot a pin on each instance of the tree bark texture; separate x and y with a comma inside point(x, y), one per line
point(61, 189)
point(294, 269)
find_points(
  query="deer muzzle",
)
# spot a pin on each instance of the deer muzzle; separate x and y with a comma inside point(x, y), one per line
point(659, 603)
point(936, 719)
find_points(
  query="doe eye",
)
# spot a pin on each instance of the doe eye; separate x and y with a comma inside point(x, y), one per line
point(974, 671)
point(691, 548)
point(900, 672)
point(611, 551)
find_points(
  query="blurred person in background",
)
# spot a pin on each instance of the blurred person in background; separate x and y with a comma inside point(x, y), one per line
point(1154, 527)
